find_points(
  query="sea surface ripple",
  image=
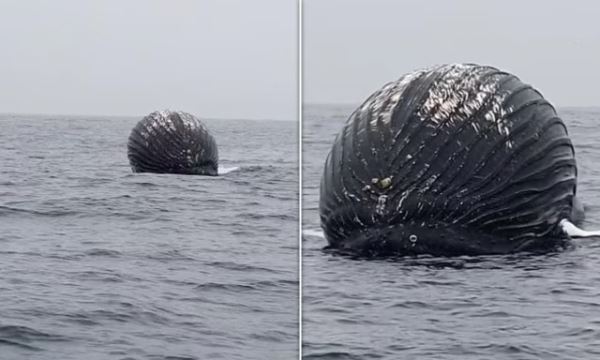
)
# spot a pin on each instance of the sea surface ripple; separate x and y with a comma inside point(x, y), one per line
point(489, 307)
point(101, 263)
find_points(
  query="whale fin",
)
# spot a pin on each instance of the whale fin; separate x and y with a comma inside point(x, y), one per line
point(573, 231)
point(226, 170)
point(314, 232)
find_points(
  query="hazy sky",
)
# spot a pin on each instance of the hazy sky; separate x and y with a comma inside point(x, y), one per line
point(353, 47)
point(213, 58)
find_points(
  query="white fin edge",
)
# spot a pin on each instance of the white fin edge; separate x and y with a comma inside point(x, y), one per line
point(573, 231)
point(226, 170)
point(314, 232)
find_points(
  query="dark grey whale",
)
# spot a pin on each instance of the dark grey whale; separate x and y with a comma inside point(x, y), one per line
point(457, 159)
point(172, 142)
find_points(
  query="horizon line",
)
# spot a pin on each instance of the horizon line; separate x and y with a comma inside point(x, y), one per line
point(133, 116)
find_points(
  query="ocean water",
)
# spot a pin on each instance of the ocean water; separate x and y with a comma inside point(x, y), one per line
point(100, 263)
point(488, 307)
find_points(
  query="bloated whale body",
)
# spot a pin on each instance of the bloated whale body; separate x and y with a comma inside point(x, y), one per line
point(457, 159)
point(172, 142)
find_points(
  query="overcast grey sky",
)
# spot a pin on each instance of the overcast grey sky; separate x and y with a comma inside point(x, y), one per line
point(213, 58)
point(353, 47)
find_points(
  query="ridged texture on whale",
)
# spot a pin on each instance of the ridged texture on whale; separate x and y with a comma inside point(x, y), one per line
point(456, 159)
point(172, 142)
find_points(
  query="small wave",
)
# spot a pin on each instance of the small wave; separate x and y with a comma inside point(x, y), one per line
point(508, 348)
point(220, 286)
point(7, 210)
point(279, 216)
point(105, 276)
point(103, 252)
point(273, 336)
point(171, 255)
point(238, 267)
point(147, 184)
point(314, 232)
point(331, 355)
point(138, 316)
point(253, 286)
point(411, 304)
point(21, 336)
point(18, 344)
